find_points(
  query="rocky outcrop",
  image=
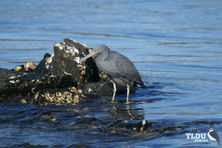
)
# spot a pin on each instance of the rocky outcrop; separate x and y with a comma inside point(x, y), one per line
point(58, 78)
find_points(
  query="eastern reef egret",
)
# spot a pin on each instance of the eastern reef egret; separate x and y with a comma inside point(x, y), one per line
point(119, 68)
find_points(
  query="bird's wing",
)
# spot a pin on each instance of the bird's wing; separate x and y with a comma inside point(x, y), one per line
point(123, 67)
point(215, 135)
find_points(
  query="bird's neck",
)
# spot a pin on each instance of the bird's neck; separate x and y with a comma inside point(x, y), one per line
point(103, 56)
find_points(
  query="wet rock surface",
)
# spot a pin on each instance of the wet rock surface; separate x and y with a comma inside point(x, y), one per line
point(56, 73)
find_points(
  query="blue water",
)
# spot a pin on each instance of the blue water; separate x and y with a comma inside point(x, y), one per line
point(176, 46)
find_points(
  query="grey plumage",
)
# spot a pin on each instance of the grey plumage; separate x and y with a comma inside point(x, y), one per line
point(121, 70)
point(117, 66)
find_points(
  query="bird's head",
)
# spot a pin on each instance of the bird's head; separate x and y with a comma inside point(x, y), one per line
point(209, 129)
point(97, 51)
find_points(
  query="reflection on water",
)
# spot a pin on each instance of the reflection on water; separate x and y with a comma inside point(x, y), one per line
point(175, 45)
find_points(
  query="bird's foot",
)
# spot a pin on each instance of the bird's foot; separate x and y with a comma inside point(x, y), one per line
point(113, 102)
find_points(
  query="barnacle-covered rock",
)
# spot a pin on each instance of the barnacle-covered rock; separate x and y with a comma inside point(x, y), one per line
point(28, 67)
point(18, 68)
point(66, 61)
point(58, 71)
point(70, 95)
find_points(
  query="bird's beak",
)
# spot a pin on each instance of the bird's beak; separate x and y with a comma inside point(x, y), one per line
point(91, 53)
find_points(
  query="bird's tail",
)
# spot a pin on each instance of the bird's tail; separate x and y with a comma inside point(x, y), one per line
point(218, 143)
point(142, 85)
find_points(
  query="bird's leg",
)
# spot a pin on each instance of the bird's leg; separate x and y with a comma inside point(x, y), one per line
point(114, 91)
point(128, 91)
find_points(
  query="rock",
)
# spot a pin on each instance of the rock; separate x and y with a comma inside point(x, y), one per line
point(65, 61)
point(54, 75)
point(41, 67)
point(29, 66)
point(23, 101)
point(5, 74)
point(70, 95)
point(133, 125)
point(98, 89)
point(48, 116)
point(17, 68)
